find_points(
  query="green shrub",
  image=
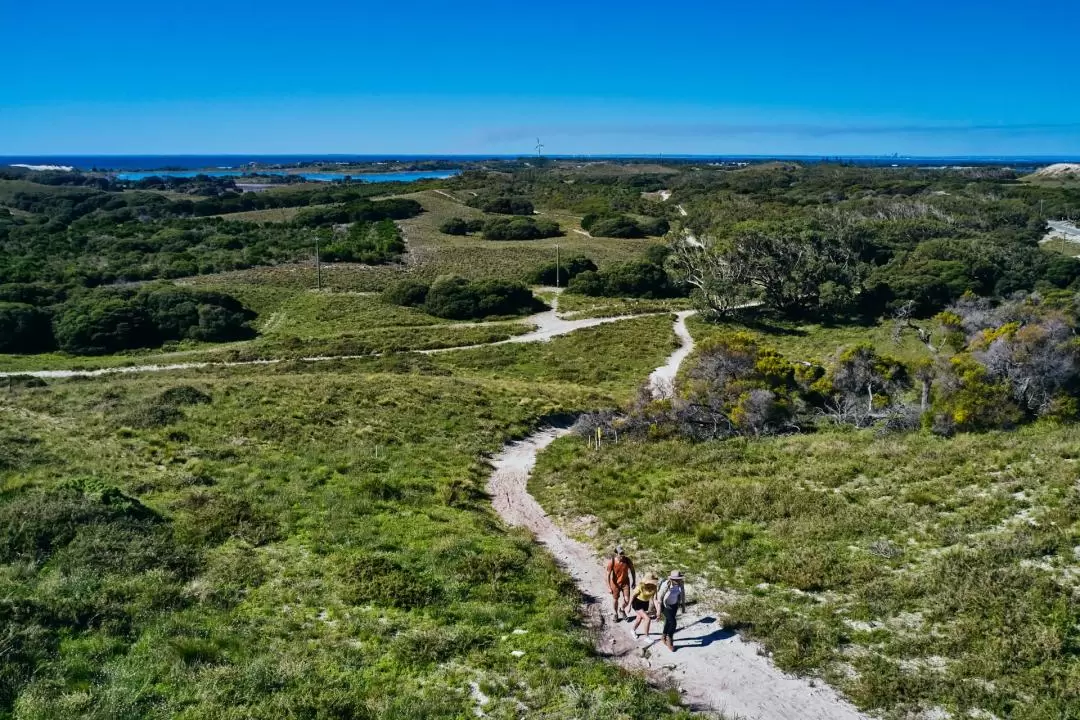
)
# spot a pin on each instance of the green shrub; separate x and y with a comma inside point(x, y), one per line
point(24, 329)
point(588, 283)
point(373, 243)
point(456, 298)
point(623, 226)
point(508, 206)
point(407, 293)
point(97, 325)
point(461, 226)
point(184, 395)
point(570, 268)
point(520, 228)
point(633, 279)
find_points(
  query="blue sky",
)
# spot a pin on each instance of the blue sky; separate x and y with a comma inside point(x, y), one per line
point(759, 77)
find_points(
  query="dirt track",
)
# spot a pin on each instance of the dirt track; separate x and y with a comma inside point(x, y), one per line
point(713, 668)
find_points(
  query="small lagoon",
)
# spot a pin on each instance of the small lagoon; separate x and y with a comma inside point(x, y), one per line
point(405, 176)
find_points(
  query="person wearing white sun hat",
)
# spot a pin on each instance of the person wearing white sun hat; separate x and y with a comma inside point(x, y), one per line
point(672, 597)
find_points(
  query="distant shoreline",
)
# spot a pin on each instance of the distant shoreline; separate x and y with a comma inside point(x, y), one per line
point(396, 163)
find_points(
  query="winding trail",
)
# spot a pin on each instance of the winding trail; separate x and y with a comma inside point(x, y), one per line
point(662, 379)
point(713, 668)
point(548, 325)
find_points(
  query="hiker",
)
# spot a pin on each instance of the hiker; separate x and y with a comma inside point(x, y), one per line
point(642, 601)
point(672, 596)
point(620, 578)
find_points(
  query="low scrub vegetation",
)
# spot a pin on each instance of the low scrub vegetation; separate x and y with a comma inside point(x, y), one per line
point(916, 573)
point(571, 267)
point(107, 321)
point(456, 298)
point(624, 226)
point(316, 539)
point(639, 279)
point(520, 229)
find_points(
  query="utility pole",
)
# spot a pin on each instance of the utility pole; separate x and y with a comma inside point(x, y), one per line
point(557, 265)
point(318, 264)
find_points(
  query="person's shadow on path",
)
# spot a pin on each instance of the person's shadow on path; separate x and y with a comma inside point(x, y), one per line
point(704, 640)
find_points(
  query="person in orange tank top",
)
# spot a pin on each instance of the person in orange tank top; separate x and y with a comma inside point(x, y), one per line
point(619, 570)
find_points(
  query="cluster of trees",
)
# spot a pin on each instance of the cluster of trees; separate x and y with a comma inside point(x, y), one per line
point(518, 228)
point(99, 321)
point(623, 226)
point(829, 268)
point(456, 298)
point(359, 211)
point(373, 243)
point(605, 190)
point(566, 270)
point(513, 205)
point(80, 236)
point(203, 185)
point(644, 278)
point(461, 226)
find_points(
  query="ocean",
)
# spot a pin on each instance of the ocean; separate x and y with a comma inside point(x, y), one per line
point(134, 163)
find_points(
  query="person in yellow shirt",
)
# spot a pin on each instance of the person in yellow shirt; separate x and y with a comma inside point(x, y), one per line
point(642, 600)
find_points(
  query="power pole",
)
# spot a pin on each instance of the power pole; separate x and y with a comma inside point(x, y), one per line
point(557, 265)
point(318, 264)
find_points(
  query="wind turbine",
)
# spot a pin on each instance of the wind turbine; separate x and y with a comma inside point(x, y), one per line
point(539, 147)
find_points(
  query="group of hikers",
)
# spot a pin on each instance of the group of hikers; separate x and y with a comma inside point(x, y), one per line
point(648, 599)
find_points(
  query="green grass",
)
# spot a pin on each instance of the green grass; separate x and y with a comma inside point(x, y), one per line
point(911, 571)
point(316, 542)
point(432, 253)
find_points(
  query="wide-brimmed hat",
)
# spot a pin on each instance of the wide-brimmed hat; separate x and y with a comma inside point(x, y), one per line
point(675, 575)
point(650, 579)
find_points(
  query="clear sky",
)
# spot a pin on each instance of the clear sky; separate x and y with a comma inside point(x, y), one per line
point(926, 77)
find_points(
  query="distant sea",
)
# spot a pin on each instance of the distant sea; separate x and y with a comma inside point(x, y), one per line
point(132, 163)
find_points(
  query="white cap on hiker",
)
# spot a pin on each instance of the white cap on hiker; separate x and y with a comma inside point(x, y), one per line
point(675, 575)
point(618, 550)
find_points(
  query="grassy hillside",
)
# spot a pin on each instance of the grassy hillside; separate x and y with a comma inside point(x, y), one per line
point(911, 571)
point(295, 541)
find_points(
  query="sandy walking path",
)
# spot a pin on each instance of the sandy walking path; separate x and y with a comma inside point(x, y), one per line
point(713, 668)
point(548, 325)
point(662, 379)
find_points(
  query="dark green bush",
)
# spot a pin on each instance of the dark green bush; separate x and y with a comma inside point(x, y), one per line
point(508, 206)
point(25, 329)
point(520, 228)
point(569, 268)
point(623, 226)
point(184, 395)
point(102, 322)
point(407, 293)
point(633, 279)
point(456, 298)
point(587, 283)
point(95, 325)
point(461, 226)
point(365, 242)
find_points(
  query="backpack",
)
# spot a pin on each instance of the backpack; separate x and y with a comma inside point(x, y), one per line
point(670, 595)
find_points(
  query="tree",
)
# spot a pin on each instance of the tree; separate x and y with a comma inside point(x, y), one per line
point(24, 329)
point(520, 229)
point(570, 268)
point(96, 325)
point(787, 265)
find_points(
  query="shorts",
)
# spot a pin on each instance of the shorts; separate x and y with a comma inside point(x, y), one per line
point(639, 604)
